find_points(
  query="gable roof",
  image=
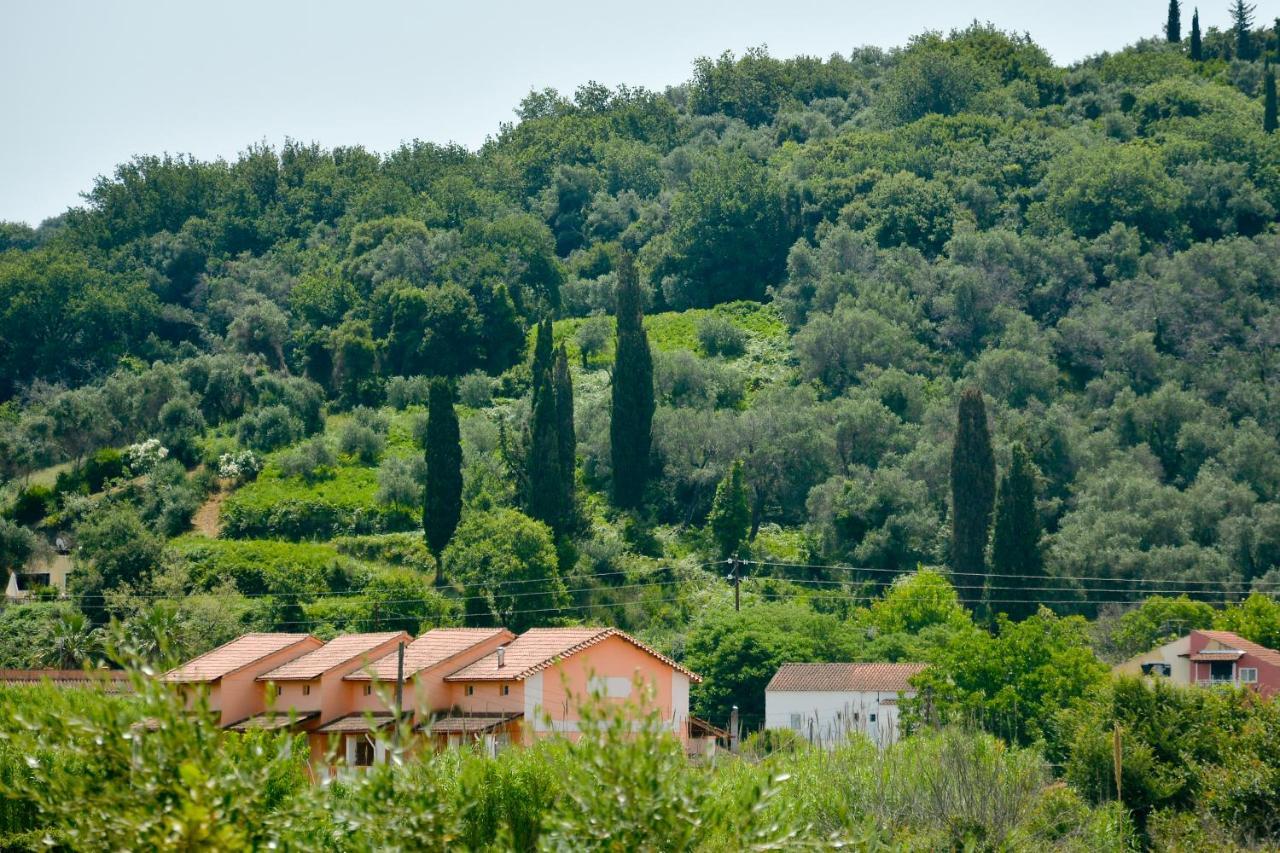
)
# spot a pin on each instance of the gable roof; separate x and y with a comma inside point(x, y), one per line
point(1235, 641)
point(845, 677)
point(431, 649)
point(236, 655)
point(334, 653)
point(539, 648)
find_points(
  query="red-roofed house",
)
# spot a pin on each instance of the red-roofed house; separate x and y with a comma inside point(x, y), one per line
point(1221, 657)
point(536, 683)
point(227, 674)
point(827, 702)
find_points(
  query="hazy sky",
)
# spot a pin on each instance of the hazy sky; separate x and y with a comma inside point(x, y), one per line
point(90, 84)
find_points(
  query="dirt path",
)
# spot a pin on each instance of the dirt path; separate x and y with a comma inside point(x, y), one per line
point(208, 518)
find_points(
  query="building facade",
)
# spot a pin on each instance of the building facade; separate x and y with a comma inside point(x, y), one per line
point(829, 703)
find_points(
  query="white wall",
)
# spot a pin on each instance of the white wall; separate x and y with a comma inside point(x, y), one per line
point(679, 701)
point(829, 718)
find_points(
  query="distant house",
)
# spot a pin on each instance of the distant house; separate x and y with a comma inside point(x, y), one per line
point(827, 703)
point(1210, 658)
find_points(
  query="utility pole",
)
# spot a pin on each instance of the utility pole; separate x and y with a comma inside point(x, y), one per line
point(735, 575)
point(733, 729)
point(1117, 758)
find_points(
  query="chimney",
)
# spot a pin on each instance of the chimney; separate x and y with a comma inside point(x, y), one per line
point(502, 656)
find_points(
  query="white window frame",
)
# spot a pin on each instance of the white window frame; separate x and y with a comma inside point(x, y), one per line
point(1248, 674)
point(797, 722)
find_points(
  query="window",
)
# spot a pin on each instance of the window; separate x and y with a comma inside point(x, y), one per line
point(506, 689)
point(795, 722)
point(368, 690)
point(363, 756)
point(871, 718)
point(306, 690)
point(470, 690)
point(1248, 675)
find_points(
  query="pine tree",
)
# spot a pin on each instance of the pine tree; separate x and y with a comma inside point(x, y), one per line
point(1173, 26)
point(1269, 111)
point(730, 518)
point(442, 506)
point(973, 492)
point(1197, 46)
point(1242, 25)
point(631, 424)
point(563, 384)
point(1017, 566)
point(545, 487)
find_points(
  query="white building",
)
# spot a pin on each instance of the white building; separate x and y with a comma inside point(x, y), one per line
point(1172, 660)
point(827, 702)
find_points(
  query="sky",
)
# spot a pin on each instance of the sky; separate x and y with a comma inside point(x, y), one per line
point(90, 84)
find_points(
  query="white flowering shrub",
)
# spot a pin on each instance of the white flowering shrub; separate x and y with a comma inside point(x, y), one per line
point(240, 465)
point(145, 455)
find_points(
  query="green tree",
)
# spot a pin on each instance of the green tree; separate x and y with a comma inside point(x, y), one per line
point(542, 356)
point(72, 642)
point(442, 506)
point(730, 518)
point(1173, 25)
point(631, 422)
point(566, 433)
point(1242, 28)
point(1257, 618)
point(1197, 45)
point(118, 547)
point(1158, 620)
point(1017, 564)
point(1269, 120)
point(507, 564)
point(973, 493)
point(542, 467)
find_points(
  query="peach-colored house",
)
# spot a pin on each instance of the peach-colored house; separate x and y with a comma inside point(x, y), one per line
point(534, 686)
point(226, 675)
point(461, 685)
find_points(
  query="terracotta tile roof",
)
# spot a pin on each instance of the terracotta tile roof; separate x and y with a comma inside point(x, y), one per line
point(539, 648)
point(334, 653)
point(844, 677)
point(470, 723)
point(431, 649)
point(108, 680)
point(270, 721)
point(237, 654)
point(357, 723)
point(1235, 641)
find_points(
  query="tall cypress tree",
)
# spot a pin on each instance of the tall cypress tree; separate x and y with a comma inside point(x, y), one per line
point(1197, 46)
point(1242, 25)
point(442, 506)
point(545, 486)
point(730, 518)
point(562, 381)
point(1269, 111)
point(542, 355)
point(1017, 564)
point(1173, 26)
point(973, 494)
point(630, 428)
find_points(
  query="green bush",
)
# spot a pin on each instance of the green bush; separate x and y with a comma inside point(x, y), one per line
point(32, 505)
point(274, 507)
point(718, 336)
point(105, 465)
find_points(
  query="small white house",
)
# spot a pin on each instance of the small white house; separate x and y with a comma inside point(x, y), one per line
point(827, 702)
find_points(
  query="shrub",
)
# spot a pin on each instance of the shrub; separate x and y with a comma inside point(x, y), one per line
point(105, 465)
point(362, 442)
point(269, 428)
point(239, 466)
point(719, 336)
point(145, 455)
point(311, 461)
point(475, 390)
point(406, 391)
point(32, 505)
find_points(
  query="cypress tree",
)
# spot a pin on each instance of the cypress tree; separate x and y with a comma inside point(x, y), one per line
point(1269, 112)
point(1197, 46)
point(1173, 26)
point(563, 384)
point(1015, 541)
point(545, 486)
point(631, 424)
point(730, 518)
point(973, 493)
point(1242, 24)
point(442, 505)
point(542, 355)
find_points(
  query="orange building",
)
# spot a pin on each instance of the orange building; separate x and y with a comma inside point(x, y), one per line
point(461, 685)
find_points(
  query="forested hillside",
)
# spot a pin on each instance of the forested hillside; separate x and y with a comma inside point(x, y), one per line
point(949, 305)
